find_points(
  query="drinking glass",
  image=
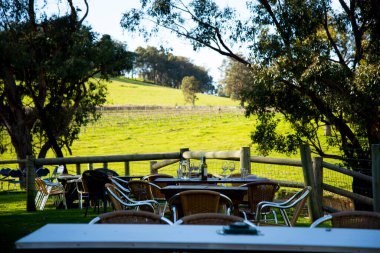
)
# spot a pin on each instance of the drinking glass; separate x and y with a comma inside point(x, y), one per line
point(225, 169)
point(244, 173)
point(231, 167)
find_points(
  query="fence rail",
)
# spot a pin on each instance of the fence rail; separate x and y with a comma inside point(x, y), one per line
point(312, 170)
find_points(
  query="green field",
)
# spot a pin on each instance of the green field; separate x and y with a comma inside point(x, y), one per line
point(123, 91)
point(214, 124)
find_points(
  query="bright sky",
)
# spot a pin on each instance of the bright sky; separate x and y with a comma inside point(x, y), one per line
point(104, 17)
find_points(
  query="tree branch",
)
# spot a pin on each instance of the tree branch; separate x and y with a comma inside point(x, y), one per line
point(326, 27)
point(86, 13)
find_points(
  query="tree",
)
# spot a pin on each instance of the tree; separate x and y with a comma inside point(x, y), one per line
point(189, 86)
point(47, 65)
point(164, 68)
point(313, 62)
point(237, 79)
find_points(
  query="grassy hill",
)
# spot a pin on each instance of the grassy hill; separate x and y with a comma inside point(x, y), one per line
point(123, 91)
point(164, 130)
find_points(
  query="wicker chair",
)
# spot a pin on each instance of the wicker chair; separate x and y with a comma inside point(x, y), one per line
point(258, 192)
point(199, 201)
point(121, 201)
point(156, 191)
point(351, 219)
point(296, 203)
point(130, 217)
point(208, 219)
point(141, 190)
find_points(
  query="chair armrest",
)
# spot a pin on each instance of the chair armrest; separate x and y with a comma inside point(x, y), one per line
point(115, 180)
point(320, 221)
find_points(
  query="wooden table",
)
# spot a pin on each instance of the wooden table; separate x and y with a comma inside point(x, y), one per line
point(191, 238)
point(236, 194)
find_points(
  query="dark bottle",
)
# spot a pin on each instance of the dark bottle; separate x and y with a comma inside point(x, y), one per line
point(203, 168)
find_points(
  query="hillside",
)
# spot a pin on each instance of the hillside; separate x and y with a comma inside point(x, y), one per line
point(123, 91)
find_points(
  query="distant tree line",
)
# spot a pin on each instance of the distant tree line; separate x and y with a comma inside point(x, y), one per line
point(163, 68)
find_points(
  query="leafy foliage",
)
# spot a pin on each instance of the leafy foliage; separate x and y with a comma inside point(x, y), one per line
point(314, 62)
point(164, 68)
point(45, 65)
point(190, 85)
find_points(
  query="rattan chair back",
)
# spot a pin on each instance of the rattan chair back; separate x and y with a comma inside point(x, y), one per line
point(156, 191)
point(199, 201)
point(130, 217)
point(140, 189)
point(351, 219)
point(261, 191)
point(208, 219)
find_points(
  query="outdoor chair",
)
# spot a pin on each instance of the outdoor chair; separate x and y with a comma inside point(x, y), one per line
point(93, 185)
point(295, 203)
point(130, 217)
point(5, 173)
point(47, 189)
point(42, 172)
point(350, 219)
point(156, 191)
point(121, 184)
point(142, 190)
point(258, 192)
point(108, 172)
point(17, 176)
point(199, 201)
point(121, 201)
point(82, 194)
point(210, 219)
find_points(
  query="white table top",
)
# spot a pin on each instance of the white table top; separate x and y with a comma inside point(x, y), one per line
point(204, 238)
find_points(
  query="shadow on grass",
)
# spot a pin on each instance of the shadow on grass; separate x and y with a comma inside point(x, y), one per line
point(133, 81)
point(16, 222)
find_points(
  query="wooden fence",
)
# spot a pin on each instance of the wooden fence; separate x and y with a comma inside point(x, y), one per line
point(312, 170)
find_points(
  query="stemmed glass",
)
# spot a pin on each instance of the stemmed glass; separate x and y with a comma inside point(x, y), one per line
point(225, 169)
point(231, 167)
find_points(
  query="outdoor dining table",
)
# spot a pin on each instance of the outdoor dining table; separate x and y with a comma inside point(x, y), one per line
point(194, 238)
point(235, 193)
point(213, 180)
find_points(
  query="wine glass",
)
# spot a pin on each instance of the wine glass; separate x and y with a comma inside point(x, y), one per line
point(225, 169)
point(231, 167)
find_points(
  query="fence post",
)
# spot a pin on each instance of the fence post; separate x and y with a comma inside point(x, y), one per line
point(105, 165)
point(78, 170)
point(318, 175)
point(376, 176)
point(90, 166)
point(309, 180)
point(126, 168)
point(181, 151)
point(153, 171)
point(30, 188)
point(245, 159)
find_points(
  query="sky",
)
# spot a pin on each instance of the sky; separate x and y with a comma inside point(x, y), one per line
point(104, 17)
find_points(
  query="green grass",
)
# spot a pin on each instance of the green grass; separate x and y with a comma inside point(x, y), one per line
point(124, 91)
point(16, 222)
